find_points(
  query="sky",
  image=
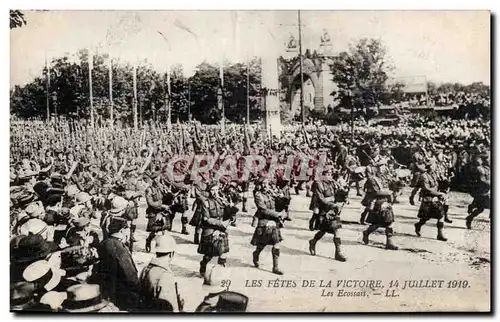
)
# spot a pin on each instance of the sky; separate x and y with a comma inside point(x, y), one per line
point(443, 46)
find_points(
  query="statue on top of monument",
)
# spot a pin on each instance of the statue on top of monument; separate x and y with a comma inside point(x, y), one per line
point(326, 37)
point(292, 44)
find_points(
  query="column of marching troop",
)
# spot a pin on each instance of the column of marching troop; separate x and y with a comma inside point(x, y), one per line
point(74, 208)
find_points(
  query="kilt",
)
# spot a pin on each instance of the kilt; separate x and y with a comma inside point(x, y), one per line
point(180, 205)
point(158, 222)
point(381, 215)
point(414, 180)
point(314, 203)
point(367, 200)
point(482, 201)
point(329, 223)
point(214, 245)
point(264, 236)
point(430, 209)
point(396, 185)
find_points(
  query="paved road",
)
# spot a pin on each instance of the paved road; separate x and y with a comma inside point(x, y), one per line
point(436, 270)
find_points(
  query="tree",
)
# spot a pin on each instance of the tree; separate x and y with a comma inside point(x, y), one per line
point(69, 90)
point(16, 19)
point(361, 74)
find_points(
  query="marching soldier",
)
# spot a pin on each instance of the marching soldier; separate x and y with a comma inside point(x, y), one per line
point(481, 190)
point(353, 166)
point(381, 213)
point(158, 214)
point(432, 206)
point(269, 223)
point(329, 213)
point(214, 240)
point(201, 193)
point(418, 168)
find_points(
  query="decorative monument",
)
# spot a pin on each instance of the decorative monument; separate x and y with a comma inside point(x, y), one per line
point(317, 77)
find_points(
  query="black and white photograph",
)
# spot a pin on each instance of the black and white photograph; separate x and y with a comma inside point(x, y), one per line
point(277, 161)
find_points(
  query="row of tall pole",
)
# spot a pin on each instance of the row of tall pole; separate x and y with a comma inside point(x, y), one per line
point(135, 99)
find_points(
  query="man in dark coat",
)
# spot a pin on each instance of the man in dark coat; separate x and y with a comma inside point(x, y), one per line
point(116, 271)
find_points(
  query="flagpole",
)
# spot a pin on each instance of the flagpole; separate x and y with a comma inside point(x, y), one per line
point(189, 100)
point(248, 92)
point(301, 74)
point(222, 96)
point(91, 65)
point(110, 90)
point(134, 105)
point(47, 83)
point(167, 100)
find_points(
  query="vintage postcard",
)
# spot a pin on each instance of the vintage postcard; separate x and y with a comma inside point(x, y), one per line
point(250, 161)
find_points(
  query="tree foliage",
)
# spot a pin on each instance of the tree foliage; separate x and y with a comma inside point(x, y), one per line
point(361, 74)
point(69, 91)
point(16, 19)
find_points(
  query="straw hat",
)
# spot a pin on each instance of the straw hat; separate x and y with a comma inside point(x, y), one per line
point(84, 298)
point(41, 273)
point(35, 210)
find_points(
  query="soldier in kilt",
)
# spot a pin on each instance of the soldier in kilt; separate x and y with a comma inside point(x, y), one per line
point(329, 207)
point(283, 200)
point(201, 193)
point(381, 213)
point(444, 180)
point(417, 168)
point(177, 199)
point(214, 240)
point(370, 193)
point(158, 214)
point(269, 223)
point(432, 206)
point(481, 192)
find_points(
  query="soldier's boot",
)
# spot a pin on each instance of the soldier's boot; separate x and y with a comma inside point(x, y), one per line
point(412, 197)
point(256, 254)
point(148, 241)
point(474, 214)
point(184, 222)
point(312, 222)
point(363, 216)
point(203, 264)
point(308, 191)
point(171, 218)
point(287, 218)
point(244, 204)
point(468, 222)
point(276, 256)
point(196, 237)
point(338, 251)
point(312, 246)
point(418, 227)
point(296, 188)
point(446, 218)
point(222, 261)
point(440, 236)
point(367, 233)
point(389, 233)
point(470, 208)
point(254, 221)
point(133, 227)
